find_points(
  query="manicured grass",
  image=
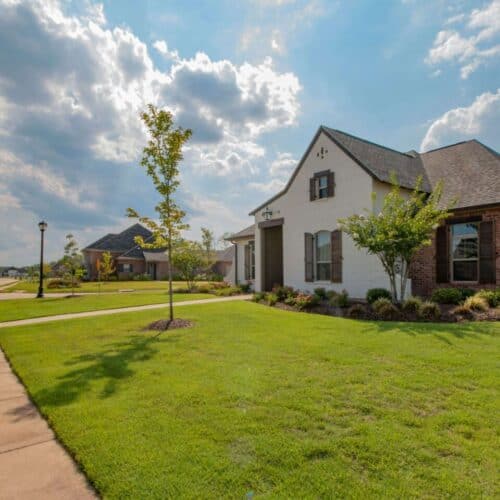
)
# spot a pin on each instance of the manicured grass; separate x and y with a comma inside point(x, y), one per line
point(110, 286)
point(48, 306)
point(280, 404)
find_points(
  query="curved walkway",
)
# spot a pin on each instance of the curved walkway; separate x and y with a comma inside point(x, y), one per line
point(105, 312)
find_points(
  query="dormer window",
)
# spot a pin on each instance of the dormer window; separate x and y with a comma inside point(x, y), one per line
point(322, 185)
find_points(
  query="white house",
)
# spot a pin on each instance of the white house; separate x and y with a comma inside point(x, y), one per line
point(296, 239)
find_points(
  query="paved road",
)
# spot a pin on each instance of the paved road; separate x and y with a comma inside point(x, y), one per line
point(33, 465)
point(105, 312)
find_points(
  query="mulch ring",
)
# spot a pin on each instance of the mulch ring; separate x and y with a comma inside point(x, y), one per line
point(165, 324)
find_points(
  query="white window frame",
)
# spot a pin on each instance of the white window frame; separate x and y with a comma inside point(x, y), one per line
point(320, 188)
point(316, 261)
point(463, 259)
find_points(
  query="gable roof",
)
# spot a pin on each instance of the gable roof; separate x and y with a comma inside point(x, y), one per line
point(120, 242)
point(225, 255)
point(455, 164)
point(248, 232)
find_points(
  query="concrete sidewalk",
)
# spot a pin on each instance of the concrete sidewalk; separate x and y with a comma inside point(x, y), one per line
point(105, 312)
point(33, 465)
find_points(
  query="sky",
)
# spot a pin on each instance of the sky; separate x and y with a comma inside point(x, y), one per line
point(253, 79)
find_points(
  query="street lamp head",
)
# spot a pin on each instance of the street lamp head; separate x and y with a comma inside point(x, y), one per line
point(42, 225)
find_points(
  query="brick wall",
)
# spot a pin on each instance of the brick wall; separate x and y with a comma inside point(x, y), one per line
point(423, 270)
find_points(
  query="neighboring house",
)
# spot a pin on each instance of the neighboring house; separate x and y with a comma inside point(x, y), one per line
point(12, 272)
point(223, 262)
point(296, 239)
point(129, 258)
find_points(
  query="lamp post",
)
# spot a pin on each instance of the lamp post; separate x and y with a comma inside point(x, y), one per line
point(43, 226)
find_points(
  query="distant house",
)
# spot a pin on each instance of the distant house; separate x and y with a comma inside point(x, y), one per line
point(223, 262)
point(130, 259)
point(296, 239)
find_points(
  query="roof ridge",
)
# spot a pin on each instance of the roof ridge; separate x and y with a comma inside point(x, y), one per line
point(367, 141)
point(449, 146)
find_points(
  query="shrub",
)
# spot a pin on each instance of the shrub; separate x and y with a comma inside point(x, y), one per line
point(282, 292)
point(182, 290)
point(467, 292)
point(385, 309)
point(463, 310)
point(245, 287)
point(203, 289)
point(228, 291)
point(356, 311)
point(340, 300)
point(305, 301)
point(429, 310)
point(271, 299)
point(291, 300)
point(320, 292)
point(447, 296)
point(258, 296)
point(330, 294)
point(61, 283)
point(142, 277)
point(412, 305)
point(492, 297)
point(476, 303)
point(376, 293)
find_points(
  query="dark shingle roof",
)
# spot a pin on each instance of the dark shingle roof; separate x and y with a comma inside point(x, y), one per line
point(381, 161)
point(225, 255)
point(120, 242)
point(470, 172)
point(248, 232)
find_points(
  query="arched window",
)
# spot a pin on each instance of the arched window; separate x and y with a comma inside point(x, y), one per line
point(323, 256)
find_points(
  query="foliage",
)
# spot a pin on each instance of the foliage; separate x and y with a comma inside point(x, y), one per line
point(105, 267)
point(330, 294)
point(492, 297)
point(161, 157)
point(356, 311)
point(72, 262)
point(208, 244)
point(245, 287)
point(447, 295)
point(188, 259)
point(476, 303)
point(271, 299)
point(142, 277)
point(429, 311)
point(228, 291)
point(340, 299)
point(385, 309)
point(291, 300)
point(467, 292)
point(58, 283)
point(394, 235)
point(320, 292)
point(463, 310)
point(306, 301)
point(375, 293)
point(283, 292)
point(412, 305)
point(259, 296)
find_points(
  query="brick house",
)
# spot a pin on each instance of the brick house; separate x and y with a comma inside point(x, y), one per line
point(296, 239)
point(129, 258)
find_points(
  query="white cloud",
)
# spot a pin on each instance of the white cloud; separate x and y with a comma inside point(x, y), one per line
point(162, 47)
point(283, 165)
point(475, 43)
point(481, 117)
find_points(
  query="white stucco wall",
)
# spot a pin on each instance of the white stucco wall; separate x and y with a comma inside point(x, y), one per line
point(240, 249)
point(353, 194)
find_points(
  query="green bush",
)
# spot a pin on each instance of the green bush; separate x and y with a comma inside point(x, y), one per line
point(320, 292)
point(476, 303)
point(463, 310)
point(245, 287)
point(340, 300)
point(271, 299)
point(330, 294)
point(447, 296)
point(376, 293)
point(385, 309)
point(306, 301)
point(491, 296)
point(467, 292)
point(259, 296)
point(429, 311)
point(142, 277)
point(412, 305)
point(61, 283)
point(203, 289)
point(356, 311)
point(291, 300)
point(228, 291)
point(282, 292)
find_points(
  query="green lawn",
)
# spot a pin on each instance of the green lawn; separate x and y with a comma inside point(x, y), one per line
point(111, 286)
point(34, 308)
point(257, 401)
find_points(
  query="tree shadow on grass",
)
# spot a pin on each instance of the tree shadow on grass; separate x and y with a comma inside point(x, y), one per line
point(441, 331)
point(111, 364)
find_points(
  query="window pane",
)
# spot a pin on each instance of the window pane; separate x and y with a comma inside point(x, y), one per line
point(323, 253)
point(323, 181)
point(465, 247)
point(469, 229)
point(323, 187)
point(465, 270)
point(323, 271)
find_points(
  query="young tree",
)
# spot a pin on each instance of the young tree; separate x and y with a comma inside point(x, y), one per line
point(189, 260)
point(404, 225)
point(105, 267)
point(161, 158)
point(72, 261)
point(207, 241)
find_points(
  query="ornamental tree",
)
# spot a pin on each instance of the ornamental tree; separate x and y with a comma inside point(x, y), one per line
point(72, 261)
point(189, 260)
point(161, 157)
point(404, 225)
point(208, 244)
point(105, 267)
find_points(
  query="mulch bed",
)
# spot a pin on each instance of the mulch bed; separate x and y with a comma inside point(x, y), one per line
point(165, 324)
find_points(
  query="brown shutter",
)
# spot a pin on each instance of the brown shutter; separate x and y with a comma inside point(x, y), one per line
point(247, 262)
point(442, 261)
point(331, 184)
point(309, 257)
point(312, 189)
point(487, 271)
point(336, 248)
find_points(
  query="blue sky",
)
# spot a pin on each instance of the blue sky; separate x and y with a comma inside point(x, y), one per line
point(253, 79)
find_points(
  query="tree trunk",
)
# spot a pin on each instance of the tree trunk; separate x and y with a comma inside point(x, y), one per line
point(170, 290)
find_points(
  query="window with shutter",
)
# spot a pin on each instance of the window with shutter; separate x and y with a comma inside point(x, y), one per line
point(487, 252)
point(322, 185)
point(247, 262)
point(309, 257)
point(337, 259)
point(323, 256)
point(464, 251)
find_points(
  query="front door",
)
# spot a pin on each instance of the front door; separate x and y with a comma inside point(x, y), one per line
point(152, 270)
point(273, 257)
